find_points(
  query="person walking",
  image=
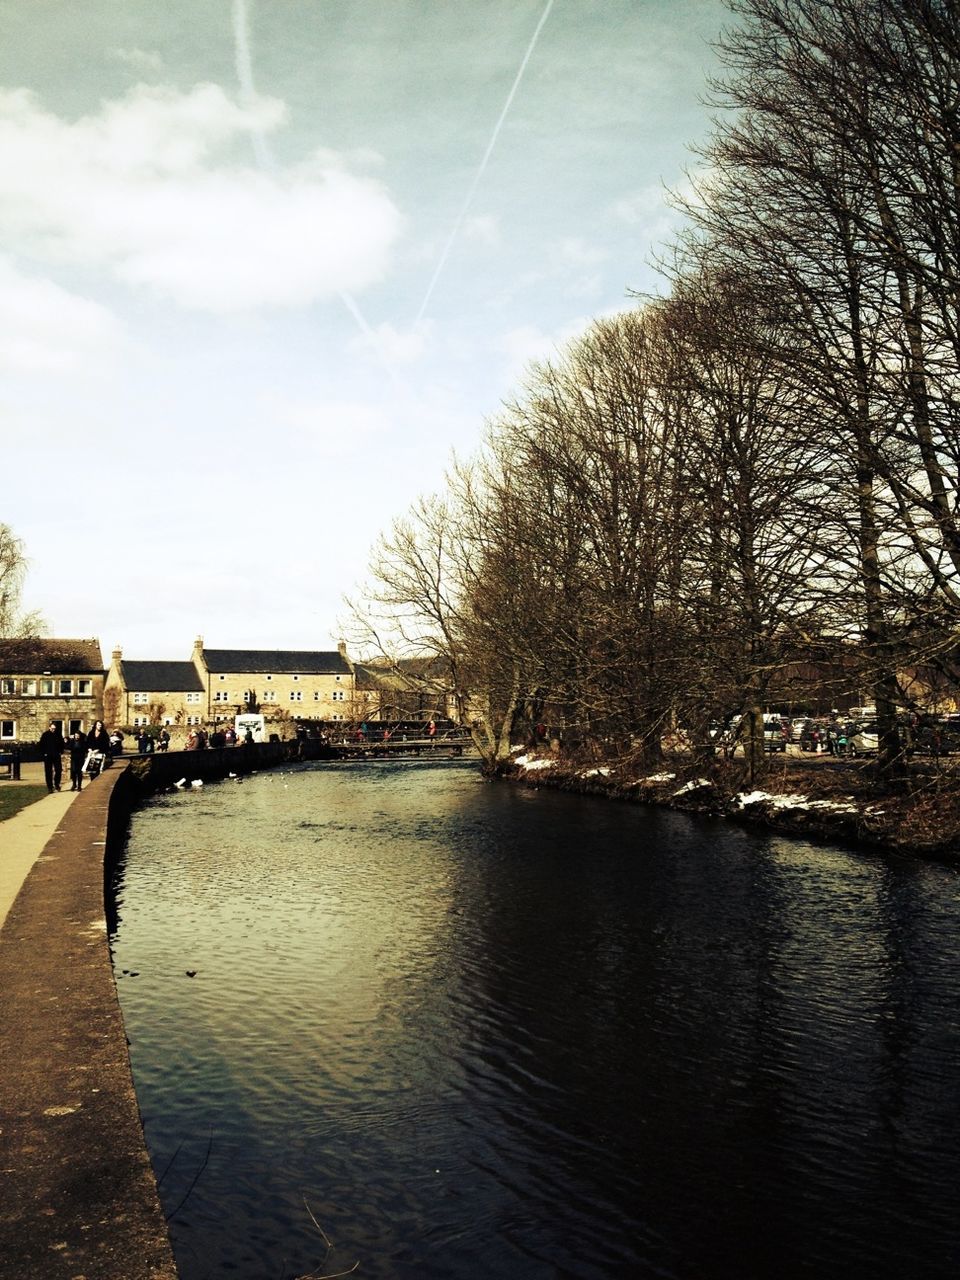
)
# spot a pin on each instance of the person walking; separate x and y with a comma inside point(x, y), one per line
point(78, 754)
point(98, 748)
point(51, 749)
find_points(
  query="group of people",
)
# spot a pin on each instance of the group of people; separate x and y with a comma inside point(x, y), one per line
point(90, 751)
point(87, 754)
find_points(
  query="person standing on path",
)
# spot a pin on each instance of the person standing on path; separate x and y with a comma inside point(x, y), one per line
point(77, 747)
point(51, 749)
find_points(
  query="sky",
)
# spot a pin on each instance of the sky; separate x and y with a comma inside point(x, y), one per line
point(264, 267)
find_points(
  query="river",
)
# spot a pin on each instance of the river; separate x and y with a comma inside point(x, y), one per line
point(459, 1029)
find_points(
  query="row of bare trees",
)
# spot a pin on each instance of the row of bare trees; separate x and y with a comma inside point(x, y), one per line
point(767, 458)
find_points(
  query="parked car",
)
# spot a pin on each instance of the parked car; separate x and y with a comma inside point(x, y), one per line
point(775, 731)
point(937, 735)
point(813, 736)
point(864, 742)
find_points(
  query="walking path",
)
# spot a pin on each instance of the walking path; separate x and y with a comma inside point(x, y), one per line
point(23, 836)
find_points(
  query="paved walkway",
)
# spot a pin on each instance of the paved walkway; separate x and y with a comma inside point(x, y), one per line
point(23, 836)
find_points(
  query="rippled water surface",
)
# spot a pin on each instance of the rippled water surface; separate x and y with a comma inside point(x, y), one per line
point(467, 1030)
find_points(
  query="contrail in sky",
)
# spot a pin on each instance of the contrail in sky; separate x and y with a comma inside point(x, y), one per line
point(241, 45)
point(244, 67)
point(483, 163)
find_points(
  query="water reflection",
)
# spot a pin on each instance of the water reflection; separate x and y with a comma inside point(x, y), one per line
point(492, 1031)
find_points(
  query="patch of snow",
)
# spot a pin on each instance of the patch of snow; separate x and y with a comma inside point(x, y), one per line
point(793, 802)
point(658, 777)
point(751, 797)
point(526, 763)
point(595, 773)
point(695, 785)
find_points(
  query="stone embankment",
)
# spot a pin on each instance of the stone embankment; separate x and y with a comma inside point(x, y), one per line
point(77, 1193)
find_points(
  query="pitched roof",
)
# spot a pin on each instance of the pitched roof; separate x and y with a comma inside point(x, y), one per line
point(274, 661)
point(36, 656)
point(161, 677)
point(406, 674)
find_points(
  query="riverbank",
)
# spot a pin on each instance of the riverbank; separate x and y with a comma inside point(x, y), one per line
point(77, 1192)
point(818, 797)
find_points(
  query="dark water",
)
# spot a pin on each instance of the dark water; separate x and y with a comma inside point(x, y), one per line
point(478, 1031)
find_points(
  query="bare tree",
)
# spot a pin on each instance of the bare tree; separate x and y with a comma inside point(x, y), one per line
point(835, 183)
point(13, 568)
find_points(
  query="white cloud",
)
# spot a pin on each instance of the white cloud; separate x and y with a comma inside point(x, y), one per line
point(144, 190)
point(641, 207)
point(483, 230)
point(139, 60)
point(573, 251)
point(46, 329)
point(393, 346)
point(325, 429)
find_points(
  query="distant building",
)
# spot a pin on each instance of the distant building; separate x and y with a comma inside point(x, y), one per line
point(49, 680)
point(406, 689)
point(220, 684)
point(153, 692)
point(301, 684)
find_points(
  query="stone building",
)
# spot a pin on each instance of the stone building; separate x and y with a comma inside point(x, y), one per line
point(282, 684)
point(285, 685)
point(49, 680)
point(153, 692)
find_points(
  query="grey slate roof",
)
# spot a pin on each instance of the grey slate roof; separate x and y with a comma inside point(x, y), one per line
point(36, 656)
point(275, 661)
point(161, 677)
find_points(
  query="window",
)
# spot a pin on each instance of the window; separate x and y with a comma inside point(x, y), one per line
point(65, 688)
point(194, 719)
point(338, 677)
point(269, 677)
point(316, 696)
point(337, 695)
point(296, 677)
point(8, 686)
point(29, 688)
point(8, 730)
point(47, 688)
point(76, 726)
point(221, 695)
point(270, 695)
point(193, 700)
point(140, 720)
point(84, 688)
point(296, 695)
point(221, 677)
point(141, 699)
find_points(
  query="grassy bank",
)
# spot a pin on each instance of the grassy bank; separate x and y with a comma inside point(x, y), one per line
point(13, 799)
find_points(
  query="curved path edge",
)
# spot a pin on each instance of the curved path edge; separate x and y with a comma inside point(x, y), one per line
point(78, 1196)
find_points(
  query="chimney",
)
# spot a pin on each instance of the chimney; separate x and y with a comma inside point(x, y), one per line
point(117, 656)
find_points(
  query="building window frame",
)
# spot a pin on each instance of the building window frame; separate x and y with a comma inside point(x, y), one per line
point(8, 730)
